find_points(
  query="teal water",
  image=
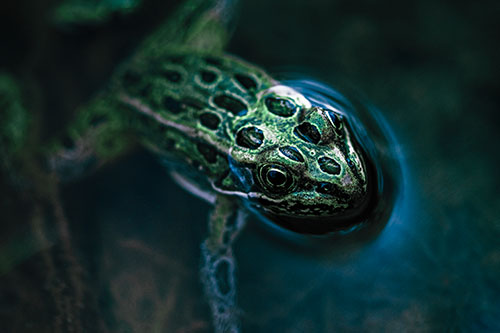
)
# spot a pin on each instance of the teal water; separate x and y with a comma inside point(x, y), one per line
point(429, 67)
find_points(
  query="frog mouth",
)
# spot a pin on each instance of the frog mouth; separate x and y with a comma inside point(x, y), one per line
point(293, 208)
point(314, 218)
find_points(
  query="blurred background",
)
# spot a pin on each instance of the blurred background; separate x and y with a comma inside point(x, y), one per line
point(432, 69)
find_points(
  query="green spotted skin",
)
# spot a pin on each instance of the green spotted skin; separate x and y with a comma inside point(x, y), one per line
point(227, 130)
point(231, 129)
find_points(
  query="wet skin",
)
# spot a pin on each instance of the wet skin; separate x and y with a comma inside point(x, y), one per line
point(226, 130)
point(229, 129)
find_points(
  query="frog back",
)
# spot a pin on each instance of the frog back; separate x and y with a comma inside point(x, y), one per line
point(184, 107)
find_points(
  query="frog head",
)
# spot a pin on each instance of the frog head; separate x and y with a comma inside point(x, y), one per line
point(300, 164)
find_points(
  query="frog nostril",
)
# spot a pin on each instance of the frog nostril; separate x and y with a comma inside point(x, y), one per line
point(337, 121)
point(350, 163)
point(325, 188)
point(333, 190)
point(335, 118)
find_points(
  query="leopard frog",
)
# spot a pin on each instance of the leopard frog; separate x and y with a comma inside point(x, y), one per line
point(227, 128)
point(233, 135)
point(228, 132)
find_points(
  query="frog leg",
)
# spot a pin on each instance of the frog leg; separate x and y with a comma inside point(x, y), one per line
point(99, 134)
point(197, 25)
point(219, 266)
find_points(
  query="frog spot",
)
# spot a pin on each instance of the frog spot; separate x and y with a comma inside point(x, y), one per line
point(209, 120)
point(292, 153)
point(192, 103)
point(212, 61)
point(280, 106)
point(208, 76)
point(230, 104)
point(172, 105)
point(172, 76)
point(246, 81)
point(329, 165)
point(250, 137)
point(307, 132)
point(208, 152)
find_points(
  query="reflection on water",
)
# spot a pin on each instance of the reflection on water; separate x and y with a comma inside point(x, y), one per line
point(434, 264)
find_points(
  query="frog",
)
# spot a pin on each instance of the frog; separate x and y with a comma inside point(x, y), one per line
point(228, 132)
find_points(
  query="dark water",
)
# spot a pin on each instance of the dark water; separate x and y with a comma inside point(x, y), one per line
point(430, 67)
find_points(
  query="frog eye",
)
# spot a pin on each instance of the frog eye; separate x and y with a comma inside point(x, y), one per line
point(275, 178)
